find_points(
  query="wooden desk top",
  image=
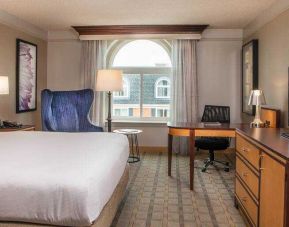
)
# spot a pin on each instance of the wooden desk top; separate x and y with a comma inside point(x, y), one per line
point(269, 138)
point(23, 128)
point(200, 126)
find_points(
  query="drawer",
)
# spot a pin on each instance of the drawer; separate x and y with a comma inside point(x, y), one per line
point(246, 174)
point(248, 151)
point(247, 202)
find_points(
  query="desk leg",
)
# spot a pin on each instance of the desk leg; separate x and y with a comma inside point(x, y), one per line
point(170, 151)
point(192, 157)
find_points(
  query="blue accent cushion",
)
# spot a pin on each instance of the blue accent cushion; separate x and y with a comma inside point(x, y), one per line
point(67, 111)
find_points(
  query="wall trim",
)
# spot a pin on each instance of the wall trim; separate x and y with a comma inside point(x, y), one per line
point(207, 35)
point(266, 16)
point(19, 24)
point(222, 35)
point(62, 35)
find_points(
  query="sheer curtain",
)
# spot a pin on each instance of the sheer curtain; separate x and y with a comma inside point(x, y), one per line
point(93, 57)
point(184, 105)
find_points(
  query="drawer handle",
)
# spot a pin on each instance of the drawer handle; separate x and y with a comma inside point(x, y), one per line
point(244, 199)
point(245, 149)
point(261, 169)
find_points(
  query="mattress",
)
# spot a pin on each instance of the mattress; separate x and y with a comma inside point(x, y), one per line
point(59, 178)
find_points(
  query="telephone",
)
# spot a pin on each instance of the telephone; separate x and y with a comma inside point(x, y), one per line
point(9, 124)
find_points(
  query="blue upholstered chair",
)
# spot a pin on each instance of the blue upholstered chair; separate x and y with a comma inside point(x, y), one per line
point(67, 111)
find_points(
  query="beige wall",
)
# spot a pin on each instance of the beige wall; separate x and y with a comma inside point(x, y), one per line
point(274, 62)
point(219, 77)
point(219, 74)
point(64, 65)
point(8, 68)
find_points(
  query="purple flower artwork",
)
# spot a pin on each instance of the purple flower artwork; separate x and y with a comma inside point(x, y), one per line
point(26, 76)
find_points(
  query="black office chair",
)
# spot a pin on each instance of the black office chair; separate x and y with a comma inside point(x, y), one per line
point(214, 114)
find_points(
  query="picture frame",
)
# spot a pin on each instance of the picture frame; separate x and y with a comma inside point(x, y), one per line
point(249, 74)
point(26, 76)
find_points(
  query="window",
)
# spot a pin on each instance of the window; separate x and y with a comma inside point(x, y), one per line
point(124, 94)
point(146, 67)
point(121, 112)
point(160, 112)
point(162, 88)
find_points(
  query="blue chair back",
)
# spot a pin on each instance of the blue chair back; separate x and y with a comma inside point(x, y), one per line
point(67, 111)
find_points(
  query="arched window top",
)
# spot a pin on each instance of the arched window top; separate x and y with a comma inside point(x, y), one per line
point(141, 53)
point(162, 87)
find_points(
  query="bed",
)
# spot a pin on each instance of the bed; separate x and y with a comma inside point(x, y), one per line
point(61, 179)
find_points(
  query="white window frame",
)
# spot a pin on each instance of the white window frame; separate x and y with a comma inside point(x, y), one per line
point(126, 91)
point(162, 86)
point(121, 108)
point(141, 71)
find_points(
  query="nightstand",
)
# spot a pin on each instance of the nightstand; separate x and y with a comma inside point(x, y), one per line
point(23, 128)
point(132, 137)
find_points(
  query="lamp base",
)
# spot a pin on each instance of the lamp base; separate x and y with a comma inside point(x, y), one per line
point(257, 123)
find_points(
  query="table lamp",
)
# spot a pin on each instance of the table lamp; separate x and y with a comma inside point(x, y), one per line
point(4, 89)
point(257, 99)
point(109, 81)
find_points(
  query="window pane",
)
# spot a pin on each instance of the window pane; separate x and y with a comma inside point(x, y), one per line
point(142, 53)
point(128, 105)
point(153, 106)
point(125, 93)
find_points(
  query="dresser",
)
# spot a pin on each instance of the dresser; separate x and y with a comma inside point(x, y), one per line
point(261, 186)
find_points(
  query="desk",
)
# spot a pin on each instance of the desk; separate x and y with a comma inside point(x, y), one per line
point(262, 168)
point(192, 130)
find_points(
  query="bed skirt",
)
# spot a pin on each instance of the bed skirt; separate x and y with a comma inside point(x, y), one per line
point(107, 214)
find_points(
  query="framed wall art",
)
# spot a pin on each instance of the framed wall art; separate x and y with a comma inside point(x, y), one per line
point(249, 74)
point(26, 76)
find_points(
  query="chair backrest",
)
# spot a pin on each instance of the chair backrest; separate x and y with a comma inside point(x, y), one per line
point(66, 111)
point(216, 114)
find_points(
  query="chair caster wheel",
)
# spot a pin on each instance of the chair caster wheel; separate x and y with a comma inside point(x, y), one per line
point(226, 169)
point(227, 163)
point(204, 170)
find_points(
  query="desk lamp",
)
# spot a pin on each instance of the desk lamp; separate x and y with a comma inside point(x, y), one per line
point(4, 89)
point(257, 99)
point(109, 81)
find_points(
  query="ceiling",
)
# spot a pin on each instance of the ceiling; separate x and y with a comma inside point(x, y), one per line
point(62, 14)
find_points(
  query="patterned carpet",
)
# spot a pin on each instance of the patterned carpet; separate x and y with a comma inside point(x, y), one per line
point(155, 200)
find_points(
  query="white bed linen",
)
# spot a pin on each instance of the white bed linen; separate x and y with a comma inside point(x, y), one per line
point(59, 178)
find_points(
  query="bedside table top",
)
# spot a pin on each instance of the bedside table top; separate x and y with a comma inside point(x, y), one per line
point(23, 128)
point(127, 131)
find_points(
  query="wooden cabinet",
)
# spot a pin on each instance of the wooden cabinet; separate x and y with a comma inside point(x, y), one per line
point(272, 192)
point(260, 183)
point(23, 128)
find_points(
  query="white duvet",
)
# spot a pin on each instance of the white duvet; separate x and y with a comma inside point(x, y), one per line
point(59, 178)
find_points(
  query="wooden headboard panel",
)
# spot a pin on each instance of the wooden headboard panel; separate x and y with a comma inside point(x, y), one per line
point(271, 115)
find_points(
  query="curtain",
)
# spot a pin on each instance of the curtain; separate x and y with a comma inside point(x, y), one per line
point(93, 58)
point(184, 105)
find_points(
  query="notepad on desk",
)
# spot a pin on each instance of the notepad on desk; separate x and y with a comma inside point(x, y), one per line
point(212, 123)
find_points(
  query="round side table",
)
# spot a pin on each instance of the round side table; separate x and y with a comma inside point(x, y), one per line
point(131, 134)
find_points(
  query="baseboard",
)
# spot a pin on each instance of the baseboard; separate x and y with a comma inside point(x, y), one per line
point(153, 149)
point(165, 149)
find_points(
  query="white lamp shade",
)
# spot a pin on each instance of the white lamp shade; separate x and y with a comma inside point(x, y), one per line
point(257, 98)
point(4, 85)
point(109, 80)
